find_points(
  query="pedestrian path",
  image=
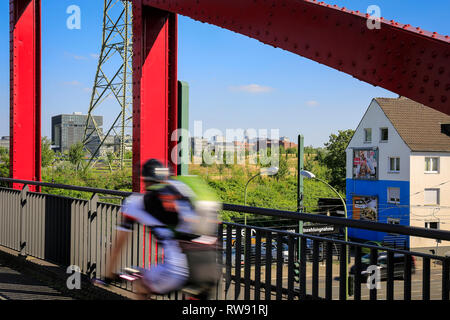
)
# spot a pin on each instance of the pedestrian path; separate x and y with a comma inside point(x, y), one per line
point(17, 286)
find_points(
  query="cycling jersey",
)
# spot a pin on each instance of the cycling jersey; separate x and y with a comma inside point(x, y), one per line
point(174, 271)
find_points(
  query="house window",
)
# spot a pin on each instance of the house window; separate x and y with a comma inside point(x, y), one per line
point(394, 195)
point(431, 164)
point(432, 225)
point(431, 197)
point(384, 134)
point(394, 164)
point(368, 135)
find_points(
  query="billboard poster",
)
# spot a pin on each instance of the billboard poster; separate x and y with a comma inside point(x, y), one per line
point(365, 164)
point(365, 208)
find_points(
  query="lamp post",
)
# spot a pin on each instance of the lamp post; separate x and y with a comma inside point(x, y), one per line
point(310, 175)
point(262, 172)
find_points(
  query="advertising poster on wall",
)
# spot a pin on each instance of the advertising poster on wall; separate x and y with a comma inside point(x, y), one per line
point(365, 208)
point(365, 164)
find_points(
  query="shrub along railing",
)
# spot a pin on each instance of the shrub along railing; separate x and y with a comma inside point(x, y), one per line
point(258, 263)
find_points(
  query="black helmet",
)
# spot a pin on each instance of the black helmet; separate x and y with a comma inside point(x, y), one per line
point(154, 170)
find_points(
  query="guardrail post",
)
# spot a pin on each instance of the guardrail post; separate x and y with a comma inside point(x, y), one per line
point(92, 232)
point(23, 202)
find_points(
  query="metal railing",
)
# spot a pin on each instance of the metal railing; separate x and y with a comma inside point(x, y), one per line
point(258, 263)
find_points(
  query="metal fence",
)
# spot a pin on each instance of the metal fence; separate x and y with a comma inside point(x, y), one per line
point(258, 263)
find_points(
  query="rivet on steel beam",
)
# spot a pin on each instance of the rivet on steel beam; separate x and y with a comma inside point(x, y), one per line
point(422, 90)
point(426, 78)
point(443, 99)
point(430, 98)
point(436, 83)
point(441, 70)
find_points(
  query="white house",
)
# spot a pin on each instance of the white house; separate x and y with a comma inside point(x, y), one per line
point(398, 171)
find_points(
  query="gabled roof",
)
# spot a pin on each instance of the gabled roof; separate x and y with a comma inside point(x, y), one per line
point(418, 125)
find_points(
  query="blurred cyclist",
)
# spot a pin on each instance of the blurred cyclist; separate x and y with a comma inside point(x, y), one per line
point(184, 226)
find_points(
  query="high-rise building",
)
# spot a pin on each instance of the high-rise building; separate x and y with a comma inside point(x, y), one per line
point(68, 129)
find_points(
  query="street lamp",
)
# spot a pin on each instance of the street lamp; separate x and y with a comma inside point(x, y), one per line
point(310, 175)
point(262, 172)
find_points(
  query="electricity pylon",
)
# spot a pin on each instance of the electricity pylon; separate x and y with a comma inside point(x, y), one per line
point(113, 79)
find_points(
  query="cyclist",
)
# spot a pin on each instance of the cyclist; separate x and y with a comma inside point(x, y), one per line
point(167, 209)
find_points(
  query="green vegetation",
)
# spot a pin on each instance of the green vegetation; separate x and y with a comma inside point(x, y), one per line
point(47, 154)
point(228, 180)
point(4, 164)
point(76, 154)
point(335, 157)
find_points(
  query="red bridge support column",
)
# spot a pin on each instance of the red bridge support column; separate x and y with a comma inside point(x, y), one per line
point(25, 95)
point(154, 86)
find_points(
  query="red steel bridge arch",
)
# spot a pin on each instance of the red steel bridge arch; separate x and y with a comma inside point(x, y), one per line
point(403, 59)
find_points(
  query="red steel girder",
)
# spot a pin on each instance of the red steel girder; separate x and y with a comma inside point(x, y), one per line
point(154, 87)
point(409, 61)
point(25, 90)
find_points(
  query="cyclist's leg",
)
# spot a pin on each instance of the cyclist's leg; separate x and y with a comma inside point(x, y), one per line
point(163, 279)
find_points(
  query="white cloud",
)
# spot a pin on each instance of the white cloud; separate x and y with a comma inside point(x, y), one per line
point(252, 88)
point(312, 103)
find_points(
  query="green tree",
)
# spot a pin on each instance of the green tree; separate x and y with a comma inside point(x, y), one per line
point(4, 162)
point(128, 155)
point(76, 154)
point(283, 168)
point(47, 154)
point(335, 157)
point(291, 150)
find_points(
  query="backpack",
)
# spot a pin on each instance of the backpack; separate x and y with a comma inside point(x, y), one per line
point(203, 219)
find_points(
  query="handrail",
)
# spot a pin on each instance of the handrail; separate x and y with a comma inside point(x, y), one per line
point(69, 187)
point(351, 223)
point(337, 241)
point(345, 222)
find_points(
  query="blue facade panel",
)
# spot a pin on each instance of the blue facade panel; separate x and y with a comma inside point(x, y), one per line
point(385, 210)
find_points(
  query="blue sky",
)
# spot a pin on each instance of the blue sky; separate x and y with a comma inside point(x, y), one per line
point(235, 82)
